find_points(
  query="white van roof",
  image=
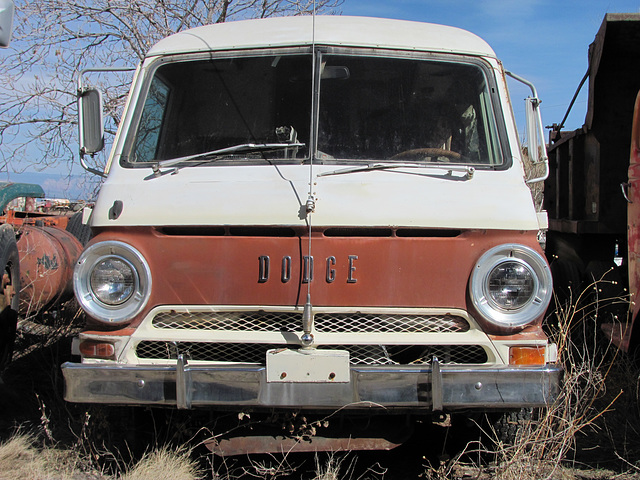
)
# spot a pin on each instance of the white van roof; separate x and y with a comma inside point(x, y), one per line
point(329, 30)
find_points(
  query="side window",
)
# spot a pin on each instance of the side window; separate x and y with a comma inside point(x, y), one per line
point(146, 144)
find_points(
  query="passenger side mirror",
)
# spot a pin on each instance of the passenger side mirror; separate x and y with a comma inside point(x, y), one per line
point(6, 21)
point(535, 135)
point(534, 130)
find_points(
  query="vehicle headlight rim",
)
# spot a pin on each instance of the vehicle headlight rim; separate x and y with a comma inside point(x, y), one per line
point(113, 314)
point(491, 310)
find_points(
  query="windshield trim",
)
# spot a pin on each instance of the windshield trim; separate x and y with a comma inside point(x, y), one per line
point(501, 137)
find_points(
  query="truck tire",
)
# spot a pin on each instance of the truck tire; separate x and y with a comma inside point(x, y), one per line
point(608, 279)
point(9, 293)
point(78, 229)
point(605, 301)
point(508, 427)
point(567, 280)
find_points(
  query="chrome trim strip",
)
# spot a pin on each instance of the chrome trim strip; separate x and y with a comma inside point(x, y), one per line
point(183, 384)
point(436, 385)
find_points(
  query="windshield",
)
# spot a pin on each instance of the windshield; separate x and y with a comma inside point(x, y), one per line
point(369, 108)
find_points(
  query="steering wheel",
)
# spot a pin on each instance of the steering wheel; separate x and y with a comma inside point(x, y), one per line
point(421, 153)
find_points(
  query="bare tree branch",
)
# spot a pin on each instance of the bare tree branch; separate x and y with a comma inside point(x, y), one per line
point(54, 39)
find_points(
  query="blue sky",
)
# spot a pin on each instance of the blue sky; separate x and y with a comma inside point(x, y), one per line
point(544, 41)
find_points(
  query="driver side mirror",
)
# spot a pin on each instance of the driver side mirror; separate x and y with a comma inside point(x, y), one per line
point(6, 21)
point(90, 121)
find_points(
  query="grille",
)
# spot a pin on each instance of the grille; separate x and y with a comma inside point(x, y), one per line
point(396, 323)
point(359, 354)
point(261, 321)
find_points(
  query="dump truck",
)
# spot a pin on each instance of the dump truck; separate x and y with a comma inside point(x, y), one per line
point(591, 194)
point(316, 215)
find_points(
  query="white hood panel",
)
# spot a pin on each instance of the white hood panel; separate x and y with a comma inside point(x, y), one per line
point(266, 195)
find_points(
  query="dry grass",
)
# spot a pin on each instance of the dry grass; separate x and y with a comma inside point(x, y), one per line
point(331, 468)
point(319, 466)
point(21, 459)
point(37, 332)
point(164, 464)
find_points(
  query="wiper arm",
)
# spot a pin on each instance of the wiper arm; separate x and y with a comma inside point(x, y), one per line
point(468, 171)
point(243, 147)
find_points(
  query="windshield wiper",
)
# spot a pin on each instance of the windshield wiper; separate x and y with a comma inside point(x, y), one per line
point(242, 148)
point(468, 171)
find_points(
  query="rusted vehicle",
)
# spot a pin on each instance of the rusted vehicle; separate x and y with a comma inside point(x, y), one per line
point(37, 255)
point(591, 194)
point(316, 214)
point(8, 305)
point(38, 249)
point(630, 337)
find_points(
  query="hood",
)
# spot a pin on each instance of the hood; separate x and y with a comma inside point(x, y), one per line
point(277, 195)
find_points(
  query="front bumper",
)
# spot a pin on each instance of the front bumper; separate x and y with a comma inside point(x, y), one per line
point(430, 388)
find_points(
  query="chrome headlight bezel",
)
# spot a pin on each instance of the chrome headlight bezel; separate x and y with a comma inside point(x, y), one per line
point(531, 309)
point(113, 314)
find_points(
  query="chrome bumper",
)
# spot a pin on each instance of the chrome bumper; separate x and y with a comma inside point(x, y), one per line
point(433, 388)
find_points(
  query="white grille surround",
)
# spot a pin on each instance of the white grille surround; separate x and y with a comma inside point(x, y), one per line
point(373, 336)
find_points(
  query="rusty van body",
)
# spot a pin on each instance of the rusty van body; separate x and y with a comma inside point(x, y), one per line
point(324, 213)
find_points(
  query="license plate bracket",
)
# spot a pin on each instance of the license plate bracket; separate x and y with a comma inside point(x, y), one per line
point(308, 366)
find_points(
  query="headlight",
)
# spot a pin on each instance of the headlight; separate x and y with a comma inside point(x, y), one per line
point(511, 285)
point(112, 281)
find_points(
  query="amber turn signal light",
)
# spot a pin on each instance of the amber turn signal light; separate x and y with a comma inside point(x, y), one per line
point(93, 349)
point(527, 356)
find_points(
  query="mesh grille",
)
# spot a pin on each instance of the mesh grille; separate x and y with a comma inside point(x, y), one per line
point(260, 321)
point(359, 354)
point(384, 323)
point(209, 352)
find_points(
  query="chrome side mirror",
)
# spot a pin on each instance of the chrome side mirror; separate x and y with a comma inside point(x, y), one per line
point(90, 121)
point(6, 21)
point(534, 130)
